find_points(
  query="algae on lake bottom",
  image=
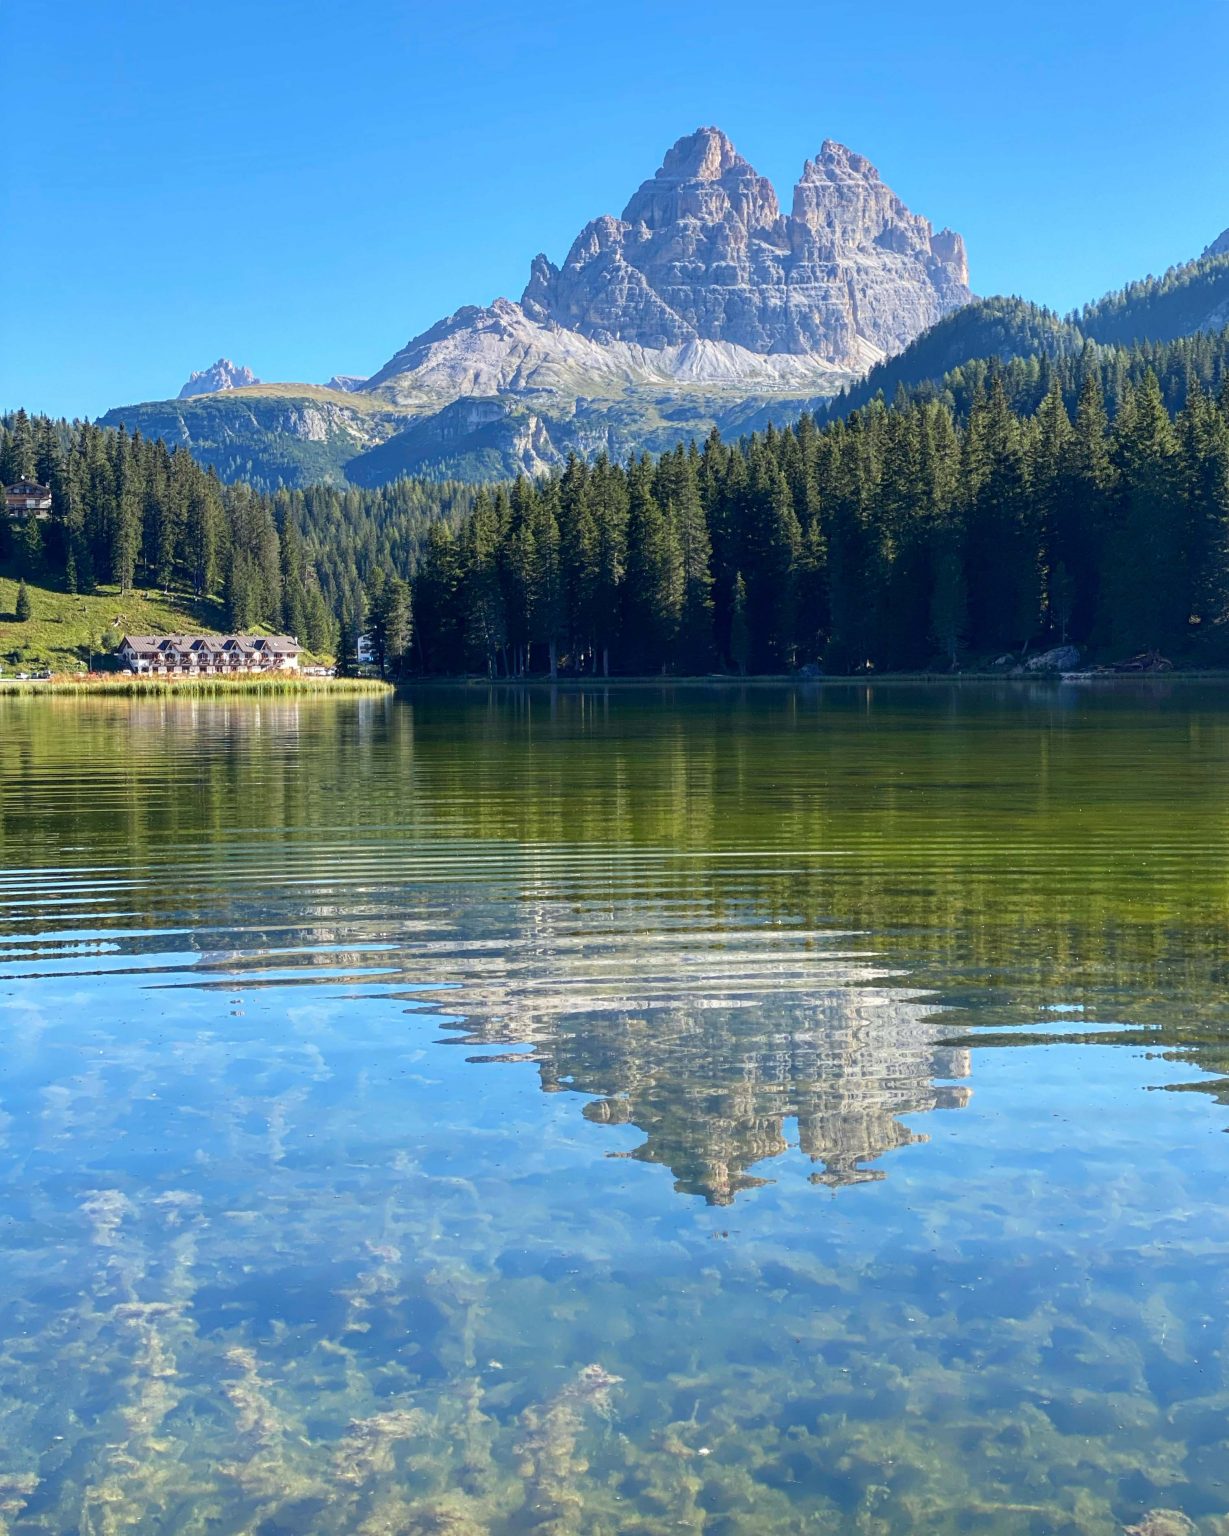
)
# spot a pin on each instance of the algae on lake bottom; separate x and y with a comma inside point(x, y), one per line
point(469, 1116)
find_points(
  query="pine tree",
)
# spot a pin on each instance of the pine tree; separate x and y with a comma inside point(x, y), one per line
point(240, 595)
point(740, 630)
point(1001, 548)
point(17, 450)
point(30, 547)
point(695, 640)
point(203, 531)
point(1203, 434)
point(853, 563)
point(293, 581)
point(479, 585)
point(610, 514)
point(1144, 592)
point(438, 632)
point(319, 630)
point(125, 522)
point(654, 584)
point(1049, 477)
point(949, 598)
point(346, 664)
point(771, 547)
point(1082, 525)
point(547, 610)
point(24, 609)
point(395, 627)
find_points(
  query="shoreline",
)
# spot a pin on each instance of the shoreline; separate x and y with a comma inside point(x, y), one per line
point(790, 679)
point(122, 686)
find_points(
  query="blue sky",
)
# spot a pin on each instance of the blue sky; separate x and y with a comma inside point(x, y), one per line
point(302, 188)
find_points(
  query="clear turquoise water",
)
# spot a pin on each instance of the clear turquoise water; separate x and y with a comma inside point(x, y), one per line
point(714, 1110)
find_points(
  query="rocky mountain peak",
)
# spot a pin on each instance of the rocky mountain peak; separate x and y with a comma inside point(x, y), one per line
point(702, 253)
point(222, 375)
point(836, 159)
point(703, 177)
point(1219, 246)
point(705, 154)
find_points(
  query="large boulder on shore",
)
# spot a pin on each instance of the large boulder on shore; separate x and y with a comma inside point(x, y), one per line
point(1061, 659)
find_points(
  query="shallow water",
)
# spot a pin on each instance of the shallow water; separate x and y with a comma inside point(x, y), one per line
point(692, 1109)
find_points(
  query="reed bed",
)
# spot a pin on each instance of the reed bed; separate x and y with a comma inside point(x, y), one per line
point(194, 687)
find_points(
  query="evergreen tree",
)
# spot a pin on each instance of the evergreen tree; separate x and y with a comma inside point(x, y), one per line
point(949, 600)
point(740, 629)
point(1049, 475)
point(125, 520)
point(695, 641)
point(23, 610)
point(610, 506)
point(1145, 594)
point(547, 607)
point(30, 547)
point(771, 547)
point(1203, 434)
point(479, 586)
point(347, 645)
point(17, 450)
point(1002, 553)
point(1081, 523)
point(654, 584)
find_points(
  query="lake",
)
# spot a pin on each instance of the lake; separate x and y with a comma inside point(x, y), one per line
point(712, 1109)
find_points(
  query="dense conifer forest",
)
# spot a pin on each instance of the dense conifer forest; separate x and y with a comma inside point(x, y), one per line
point(128, 512)
point(1076, 498)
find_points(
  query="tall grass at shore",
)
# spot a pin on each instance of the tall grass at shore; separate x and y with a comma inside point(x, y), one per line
point(125, 686)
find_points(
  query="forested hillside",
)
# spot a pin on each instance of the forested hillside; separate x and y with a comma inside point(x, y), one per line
point(1189, 300)
point(1000, 329)
point(1077, 498)
point(129, 513)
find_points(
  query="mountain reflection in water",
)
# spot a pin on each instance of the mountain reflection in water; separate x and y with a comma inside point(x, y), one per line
point(711, 1052)
point(412, 1113)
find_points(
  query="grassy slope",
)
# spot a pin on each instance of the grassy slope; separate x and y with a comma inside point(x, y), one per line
point(223, 399)
point(62, 628)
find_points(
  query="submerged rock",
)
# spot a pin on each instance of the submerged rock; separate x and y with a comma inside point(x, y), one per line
point(1163, 1522)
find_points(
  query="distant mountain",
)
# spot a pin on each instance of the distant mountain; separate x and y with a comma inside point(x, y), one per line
point(222, 375)
point(702, 304)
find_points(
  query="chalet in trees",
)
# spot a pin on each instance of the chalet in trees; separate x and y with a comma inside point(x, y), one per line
point(202, 655)
point(27, 498)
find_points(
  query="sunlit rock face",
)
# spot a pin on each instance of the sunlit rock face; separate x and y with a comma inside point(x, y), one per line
point(703, 252)
point(703, 257)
